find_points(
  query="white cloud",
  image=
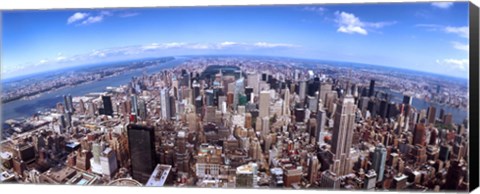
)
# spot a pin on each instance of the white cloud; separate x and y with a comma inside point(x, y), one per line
point(460, 46)
point(319, 10)
point(273, 45)
point(93, 19)
point(88, 18)
point(61, 58)
point(351, 24)
point(130, 14)
point(43, 61)
point(457, 64)
point(442, 5)
point(460, 31)
point(379, 24)
point(227, 43)
point(76, 17)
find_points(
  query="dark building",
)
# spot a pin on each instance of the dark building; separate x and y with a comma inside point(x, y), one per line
point(107, 105)
point(407, 100)
point(142, 151)
point(383, 110)
point(454, 174)
point(313, 86)
point(371, 91)
point(299, 115)
point(431, 114)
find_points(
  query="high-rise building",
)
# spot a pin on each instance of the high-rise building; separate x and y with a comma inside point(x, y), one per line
point(324, 89)
point(431, 114)
point(342, 134)
point(107, 105)
point(68, 103)
point(454, 174)
point(108, 161)
point(419, 136)
point(265, 126)
point(379, 160)
point(264, 104)
point(134, 104)
point(253, 82)
point(142, 151)
point(371, 90)
point(303, 90)
point(321, 118)
point(370, 180)
point(286, 102)
point(330, 180)
point(245, 176)
point(81, 106)
point(142, 109)
point(165, 103)
point(407, 99)
point(313, 167)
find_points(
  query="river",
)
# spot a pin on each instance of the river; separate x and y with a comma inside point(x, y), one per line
point(27, 107)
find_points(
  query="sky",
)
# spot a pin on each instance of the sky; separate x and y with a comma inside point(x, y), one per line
point(430, 37)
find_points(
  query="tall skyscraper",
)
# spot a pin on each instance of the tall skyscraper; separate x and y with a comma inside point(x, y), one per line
point(165, 103)
point(378, 161)
point(321, 118)
point(313, 166)
point(342, 134)
point(419, 135)
point(142, 151)
point(68, 103)
point(107, 105)
point(324, 89)
point(431, 112)
point(303, 90)
point(253, 81)
point(142, 109)
point(134, 104)
point(264, 104)
point(286, 102)
point(371, 91)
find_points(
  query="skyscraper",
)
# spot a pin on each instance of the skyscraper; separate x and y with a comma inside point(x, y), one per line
point(286, 102)
point(342, 134)
point(371, 91)
point(378, 161)
point(107, 105)
point(321, 117)
point(165, 103)
point(68, 103)
point(313, 167)
point(264, 104)
point(142, 151)
point(431, 112)
point(134, 105)
point(419, 136)
point(330, 180)
point(252, 81)
point(303, 90)
point(324, 89)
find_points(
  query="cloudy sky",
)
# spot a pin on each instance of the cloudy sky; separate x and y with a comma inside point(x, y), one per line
point(431, 37)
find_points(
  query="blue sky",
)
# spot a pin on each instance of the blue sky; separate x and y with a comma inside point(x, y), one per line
point(430, 37)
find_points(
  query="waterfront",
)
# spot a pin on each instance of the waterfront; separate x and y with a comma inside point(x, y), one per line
point(27, 107)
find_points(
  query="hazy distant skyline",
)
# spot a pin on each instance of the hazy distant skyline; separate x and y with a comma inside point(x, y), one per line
point(431, 37)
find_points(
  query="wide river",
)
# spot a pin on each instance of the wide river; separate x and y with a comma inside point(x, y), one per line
point(27, 107)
